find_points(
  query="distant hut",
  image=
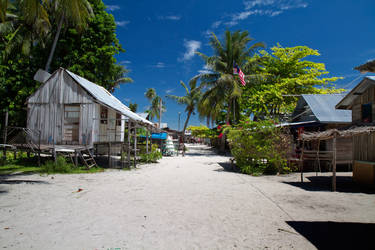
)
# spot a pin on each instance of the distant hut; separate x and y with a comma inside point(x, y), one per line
point(69, 109)
point(318, 113)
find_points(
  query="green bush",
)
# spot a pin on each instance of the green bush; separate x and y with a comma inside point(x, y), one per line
point(60, 166)
point(259, 147)
point(153, 156)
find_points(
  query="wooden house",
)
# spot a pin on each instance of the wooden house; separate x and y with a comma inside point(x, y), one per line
point(361, 100)
point(318, 113)
point(69, 109)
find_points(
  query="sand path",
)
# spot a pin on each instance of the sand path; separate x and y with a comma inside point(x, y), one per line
point(181, 203)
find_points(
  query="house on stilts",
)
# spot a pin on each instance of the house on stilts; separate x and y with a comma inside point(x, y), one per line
point(72, 113)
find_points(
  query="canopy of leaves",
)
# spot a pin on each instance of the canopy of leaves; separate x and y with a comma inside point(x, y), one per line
point(89, 54)
point(281, 77)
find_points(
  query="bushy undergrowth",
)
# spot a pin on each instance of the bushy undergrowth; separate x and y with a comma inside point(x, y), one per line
point(153, 156)
point(259, 147)
point(60, 166)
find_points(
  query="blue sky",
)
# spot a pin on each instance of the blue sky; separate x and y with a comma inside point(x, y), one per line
point(160, 38)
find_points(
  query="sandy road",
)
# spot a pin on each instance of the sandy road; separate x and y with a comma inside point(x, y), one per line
point(181, 203)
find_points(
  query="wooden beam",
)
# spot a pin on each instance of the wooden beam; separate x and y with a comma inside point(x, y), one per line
point(301, 161)
point(5, 135)
point(334, 165)
point(135, 145)
point(129, 131)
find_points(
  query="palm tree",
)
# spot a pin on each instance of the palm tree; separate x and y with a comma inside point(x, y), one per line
point(133, 107)
point(76, 12)
point(24, 22)
point(190, 100)
point(223, 88)
point(155, 110)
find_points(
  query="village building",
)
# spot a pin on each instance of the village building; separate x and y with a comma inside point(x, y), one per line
point(71, 112)
point(317, 112)
point(361, 101)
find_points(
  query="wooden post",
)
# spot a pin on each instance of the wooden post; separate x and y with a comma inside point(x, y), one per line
point(39, 138)
point(135, 145)
point(146, 141)
point(5, 135)
point(334, 164)
point(75, 158)
point(129, 131)
point(301, 160)
point(109, 155)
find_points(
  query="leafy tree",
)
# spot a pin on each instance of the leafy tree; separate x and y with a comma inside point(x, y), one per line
point(284, 75)
point(133, 107)
point(90, 54)
point(223, 88)
point(22, 24)
point(76, 12)
point(190, 100)
point(155, 101)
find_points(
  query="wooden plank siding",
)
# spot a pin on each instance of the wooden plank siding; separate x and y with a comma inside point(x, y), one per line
point(46, 111)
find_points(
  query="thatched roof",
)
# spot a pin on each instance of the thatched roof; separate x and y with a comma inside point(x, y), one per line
point(367, 67)
point(329, 134)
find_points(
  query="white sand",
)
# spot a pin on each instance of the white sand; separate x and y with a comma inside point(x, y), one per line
point(180, 203)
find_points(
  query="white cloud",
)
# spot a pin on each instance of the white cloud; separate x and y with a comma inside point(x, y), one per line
point(270, 8)
point(125, 62)
point(171, 17)
point(113, 7)
point(205, 70)
point(216, 24)
point(191, 47)
point(122, 23)
point(159, 65)
point(168, 91)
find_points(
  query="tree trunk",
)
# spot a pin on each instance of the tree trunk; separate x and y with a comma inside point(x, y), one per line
point(222, 140)
point(48, 64)
point(185, 125)
point(183, 132)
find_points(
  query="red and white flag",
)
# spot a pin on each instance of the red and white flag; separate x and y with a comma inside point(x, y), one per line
point(237, 69)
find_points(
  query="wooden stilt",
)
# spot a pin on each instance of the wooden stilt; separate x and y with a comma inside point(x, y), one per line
point(146, 141)
point(334, 164)
point(129, 146)
point(301, 160)
point(5, 135)
point(109, 155)
point(135, 145)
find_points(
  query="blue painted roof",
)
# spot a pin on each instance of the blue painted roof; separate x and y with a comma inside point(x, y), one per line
point(323, 107)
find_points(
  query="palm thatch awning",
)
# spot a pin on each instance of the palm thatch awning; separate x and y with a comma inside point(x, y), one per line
point(331, 133)
point(367, 67)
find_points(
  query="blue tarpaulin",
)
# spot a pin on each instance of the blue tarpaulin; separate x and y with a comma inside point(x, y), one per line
point(160, 136)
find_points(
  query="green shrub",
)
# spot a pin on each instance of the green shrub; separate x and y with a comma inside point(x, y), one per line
point(259, 147)
point(153, 156)
point(60, 166)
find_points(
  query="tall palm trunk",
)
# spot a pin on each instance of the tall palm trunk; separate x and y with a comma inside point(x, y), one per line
point(183, 132)
point(185, 125)
point(48, 64)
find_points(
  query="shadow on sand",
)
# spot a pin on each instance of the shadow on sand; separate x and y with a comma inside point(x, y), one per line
point(344, 184)
point(336, 235)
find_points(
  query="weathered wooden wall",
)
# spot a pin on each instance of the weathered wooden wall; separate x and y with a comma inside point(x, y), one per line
point(46, 111)
point(365, 98)
point(364, 147)
point(344, 149)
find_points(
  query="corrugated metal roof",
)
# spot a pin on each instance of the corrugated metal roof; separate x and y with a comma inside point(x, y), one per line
point(143, 115)
point(347, 101)
point(323, 107)
point(103, 96)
